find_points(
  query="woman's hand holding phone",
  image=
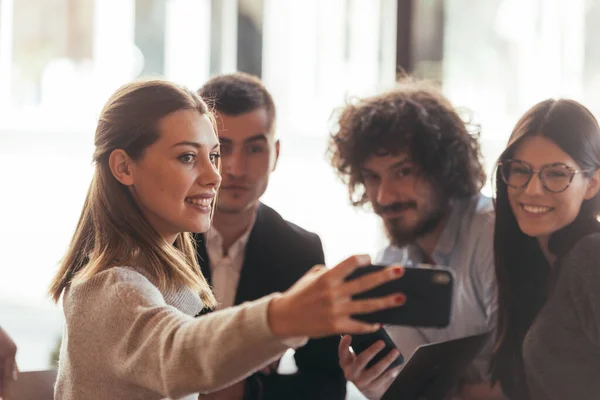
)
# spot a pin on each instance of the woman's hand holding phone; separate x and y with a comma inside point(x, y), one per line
point(321, 303)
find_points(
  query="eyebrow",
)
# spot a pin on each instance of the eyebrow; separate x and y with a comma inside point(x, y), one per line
point(399, 163)
point(554, 163)
point(195, 145)
point(256, 138)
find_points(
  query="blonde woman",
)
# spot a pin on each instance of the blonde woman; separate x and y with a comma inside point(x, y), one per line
point(130, 283)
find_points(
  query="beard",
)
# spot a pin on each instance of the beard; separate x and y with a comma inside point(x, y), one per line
point(428, 220)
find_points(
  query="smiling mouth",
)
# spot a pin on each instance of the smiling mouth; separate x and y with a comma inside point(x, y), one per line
point(536, 210)
point(201, 202)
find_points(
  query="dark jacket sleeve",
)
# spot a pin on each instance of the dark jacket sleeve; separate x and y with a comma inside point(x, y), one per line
point(319, 375)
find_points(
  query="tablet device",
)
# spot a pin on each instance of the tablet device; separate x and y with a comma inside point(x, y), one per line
point(362, 342)
point(434, 369)
point(428, 297)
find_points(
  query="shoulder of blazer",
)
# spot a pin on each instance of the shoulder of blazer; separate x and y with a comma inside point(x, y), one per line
point(289, 237)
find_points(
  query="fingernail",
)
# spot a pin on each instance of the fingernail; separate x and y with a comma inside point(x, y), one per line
point(398, 270)
point(400, 299)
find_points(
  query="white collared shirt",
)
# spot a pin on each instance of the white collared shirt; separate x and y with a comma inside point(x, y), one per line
point(226, 269)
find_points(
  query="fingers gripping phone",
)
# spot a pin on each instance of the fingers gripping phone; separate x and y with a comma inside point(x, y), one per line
point(362, 342)
point(428, 293)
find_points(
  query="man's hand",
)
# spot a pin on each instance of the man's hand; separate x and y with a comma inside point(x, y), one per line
point(372, 382)
point(8, 365)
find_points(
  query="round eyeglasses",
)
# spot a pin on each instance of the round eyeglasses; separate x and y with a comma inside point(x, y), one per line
point(555, 177)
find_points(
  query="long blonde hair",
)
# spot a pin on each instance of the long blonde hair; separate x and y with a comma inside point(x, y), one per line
point(112, 230)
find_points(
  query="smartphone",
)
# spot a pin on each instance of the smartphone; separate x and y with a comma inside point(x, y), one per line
point(362, 342)
point(428, 293)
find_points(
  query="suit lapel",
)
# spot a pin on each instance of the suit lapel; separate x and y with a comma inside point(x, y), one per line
point(252, 284)
point(202, 257)
point(255, 277)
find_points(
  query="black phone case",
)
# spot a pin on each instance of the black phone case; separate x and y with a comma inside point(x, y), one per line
point(362, 342)
point(428, 293)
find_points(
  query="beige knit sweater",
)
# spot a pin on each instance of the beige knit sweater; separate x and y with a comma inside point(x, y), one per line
point(125, 339)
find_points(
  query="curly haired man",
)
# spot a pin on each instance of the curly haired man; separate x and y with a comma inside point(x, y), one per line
point(409, 156)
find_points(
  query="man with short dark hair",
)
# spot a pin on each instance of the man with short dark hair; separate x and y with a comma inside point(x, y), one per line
point(251, 250)
point(409, 155)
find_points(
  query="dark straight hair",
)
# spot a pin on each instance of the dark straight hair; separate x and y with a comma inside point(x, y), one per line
point(522, 270)
point(238, 93)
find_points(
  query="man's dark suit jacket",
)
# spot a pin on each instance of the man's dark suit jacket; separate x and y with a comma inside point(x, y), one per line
point(277, 254)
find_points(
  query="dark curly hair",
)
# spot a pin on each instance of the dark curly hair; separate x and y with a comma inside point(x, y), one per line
point(414, 118)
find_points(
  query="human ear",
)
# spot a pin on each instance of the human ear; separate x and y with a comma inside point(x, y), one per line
point(593, 185)
point(277, 149)
point(121, 167)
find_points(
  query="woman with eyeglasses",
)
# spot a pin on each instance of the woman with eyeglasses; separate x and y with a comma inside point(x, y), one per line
point(547, 255)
